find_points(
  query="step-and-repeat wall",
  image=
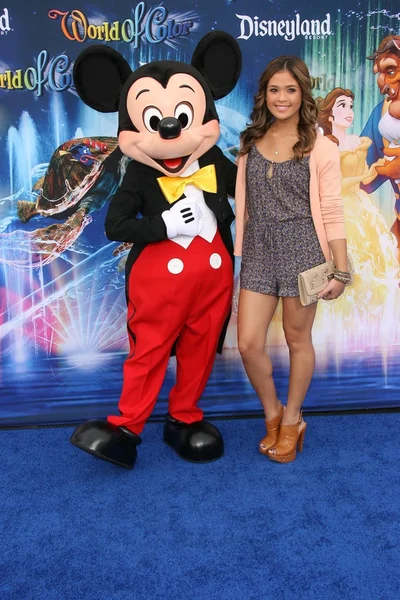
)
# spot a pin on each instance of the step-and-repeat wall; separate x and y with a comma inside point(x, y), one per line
point(62, 302)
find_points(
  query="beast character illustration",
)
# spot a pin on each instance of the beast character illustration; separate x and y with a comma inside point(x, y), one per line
point(383, 126)
point(173, 207)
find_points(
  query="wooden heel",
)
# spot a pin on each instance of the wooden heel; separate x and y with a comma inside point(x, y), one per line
point(300, 441)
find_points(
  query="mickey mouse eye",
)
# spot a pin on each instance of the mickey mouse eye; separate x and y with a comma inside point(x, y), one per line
point(184, 114)
point(151, 118)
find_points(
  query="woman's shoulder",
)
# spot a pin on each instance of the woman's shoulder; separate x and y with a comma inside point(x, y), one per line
point(325, 149)
point(324, 143)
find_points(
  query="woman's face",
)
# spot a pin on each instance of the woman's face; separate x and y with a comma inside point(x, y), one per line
point(342, 112)
point(283, 96)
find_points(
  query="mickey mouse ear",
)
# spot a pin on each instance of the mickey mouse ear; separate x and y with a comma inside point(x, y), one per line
point(99, 75)
point(219, 59)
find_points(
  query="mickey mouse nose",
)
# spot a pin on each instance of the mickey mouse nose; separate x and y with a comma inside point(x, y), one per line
point(169, 128)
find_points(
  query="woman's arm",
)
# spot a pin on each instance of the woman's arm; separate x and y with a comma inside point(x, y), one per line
point(339, 253)
point(330, 190)
point(240, 205)
point(333, 217)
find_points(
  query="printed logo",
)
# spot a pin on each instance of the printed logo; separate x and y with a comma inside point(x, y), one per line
point(5, 22)
point(288, 29)
point(323, 83)
point(153, 26)
point(47, 73)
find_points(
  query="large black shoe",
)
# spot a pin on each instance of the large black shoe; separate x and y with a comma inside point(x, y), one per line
point(197, 442)
point(109, 442)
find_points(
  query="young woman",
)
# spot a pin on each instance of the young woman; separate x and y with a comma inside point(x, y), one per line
point(289, 218)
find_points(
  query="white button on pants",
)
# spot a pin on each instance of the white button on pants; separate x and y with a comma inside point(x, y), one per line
point(175, 266)
point(215, 261)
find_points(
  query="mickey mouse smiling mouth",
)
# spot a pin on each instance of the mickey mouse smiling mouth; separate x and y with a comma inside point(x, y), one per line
point(173, 165)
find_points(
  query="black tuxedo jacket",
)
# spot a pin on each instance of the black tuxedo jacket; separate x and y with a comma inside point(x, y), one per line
point(140, 193)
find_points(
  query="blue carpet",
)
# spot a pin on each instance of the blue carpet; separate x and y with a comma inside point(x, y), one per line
point(325, 527)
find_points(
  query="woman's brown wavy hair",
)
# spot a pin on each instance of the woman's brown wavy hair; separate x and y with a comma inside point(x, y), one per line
point(261, 118)
point(325, 107)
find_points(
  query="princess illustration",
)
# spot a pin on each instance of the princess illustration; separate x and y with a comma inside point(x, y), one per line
point(371, 244)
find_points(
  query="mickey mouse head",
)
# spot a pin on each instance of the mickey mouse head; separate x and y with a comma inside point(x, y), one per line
point(167, 115)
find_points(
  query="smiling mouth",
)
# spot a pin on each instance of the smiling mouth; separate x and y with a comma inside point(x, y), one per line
point(173, 165)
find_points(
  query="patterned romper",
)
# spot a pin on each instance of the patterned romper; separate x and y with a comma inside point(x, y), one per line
point(280, 240)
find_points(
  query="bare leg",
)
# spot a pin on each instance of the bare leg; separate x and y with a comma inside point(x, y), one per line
point(297, 324)
point(254, 316)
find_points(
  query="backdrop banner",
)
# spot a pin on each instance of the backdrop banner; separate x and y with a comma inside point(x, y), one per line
point(63, 335)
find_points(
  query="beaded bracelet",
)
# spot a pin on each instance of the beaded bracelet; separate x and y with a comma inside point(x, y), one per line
point(342, 276)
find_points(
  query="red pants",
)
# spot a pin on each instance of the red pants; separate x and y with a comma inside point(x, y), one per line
point(174, 294)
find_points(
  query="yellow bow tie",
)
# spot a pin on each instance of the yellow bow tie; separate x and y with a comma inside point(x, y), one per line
point(173, 187)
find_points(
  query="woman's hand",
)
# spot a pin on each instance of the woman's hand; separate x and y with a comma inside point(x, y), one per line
point(333, 290)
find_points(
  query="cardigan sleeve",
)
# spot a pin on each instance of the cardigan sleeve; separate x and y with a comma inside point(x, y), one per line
point(240, 204)
point(330, 184)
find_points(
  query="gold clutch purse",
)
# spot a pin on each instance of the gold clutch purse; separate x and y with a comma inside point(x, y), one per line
point(314, 280)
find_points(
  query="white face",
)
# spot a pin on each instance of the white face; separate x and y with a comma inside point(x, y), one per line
point(283, 96)
point(148, 102)
point(342, 112)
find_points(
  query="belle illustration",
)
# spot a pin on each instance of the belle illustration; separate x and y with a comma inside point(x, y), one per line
point(371, 244)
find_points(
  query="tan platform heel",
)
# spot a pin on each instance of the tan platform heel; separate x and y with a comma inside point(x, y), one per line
point(290, 438)
point(272, 427)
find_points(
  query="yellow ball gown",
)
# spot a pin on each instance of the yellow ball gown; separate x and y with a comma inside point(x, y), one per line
point(366, 314)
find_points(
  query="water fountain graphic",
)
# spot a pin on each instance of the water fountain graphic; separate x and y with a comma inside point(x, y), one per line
point(77, 302)
point(23, 152)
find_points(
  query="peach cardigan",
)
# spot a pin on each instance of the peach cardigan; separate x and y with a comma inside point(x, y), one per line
point(325, 195)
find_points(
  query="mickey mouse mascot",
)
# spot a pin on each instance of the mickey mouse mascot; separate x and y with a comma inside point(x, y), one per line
point(173, 207)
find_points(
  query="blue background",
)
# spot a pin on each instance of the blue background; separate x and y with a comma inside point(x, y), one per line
point(62, 326)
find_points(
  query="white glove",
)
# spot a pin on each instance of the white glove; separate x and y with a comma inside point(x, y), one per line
point(184, 218)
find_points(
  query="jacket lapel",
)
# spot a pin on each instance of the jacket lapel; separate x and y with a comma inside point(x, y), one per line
point(209, 197)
